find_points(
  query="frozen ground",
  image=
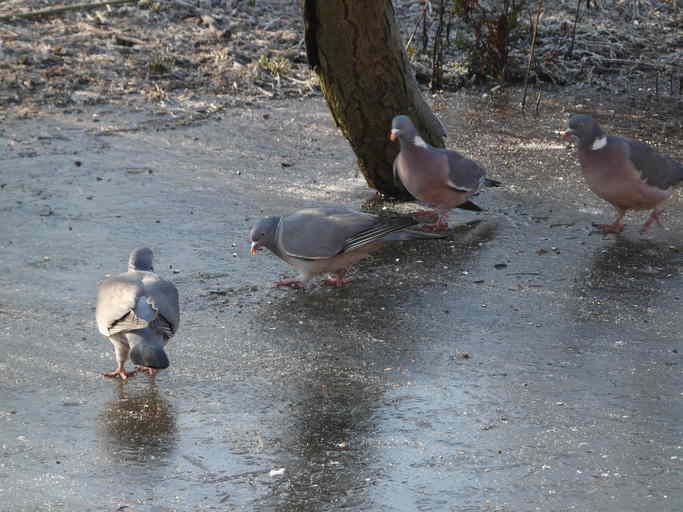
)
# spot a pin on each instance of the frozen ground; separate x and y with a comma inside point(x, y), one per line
point(522, 364)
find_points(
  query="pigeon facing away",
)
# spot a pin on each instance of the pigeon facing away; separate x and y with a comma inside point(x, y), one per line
point(627, 173)
point(439, 177)
point(139, 313)
point(327, 240)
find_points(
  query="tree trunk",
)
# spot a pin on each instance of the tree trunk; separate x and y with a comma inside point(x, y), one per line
point(356, 49)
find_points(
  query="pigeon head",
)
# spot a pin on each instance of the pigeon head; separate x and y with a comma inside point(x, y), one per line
point(147, 349)
point(403, 129)
point(263, 234)
point(141, 259)
point(586, 130)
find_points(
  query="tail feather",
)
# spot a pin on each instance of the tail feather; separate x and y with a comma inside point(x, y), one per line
point(469, 205)
point(413, 234)
point(492, 183)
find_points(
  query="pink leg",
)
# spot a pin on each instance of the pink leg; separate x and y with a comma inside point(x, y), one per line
point(654, 217)
point(150, 371)
point(120, 372)
point(441, 223)
point(426, 215)
point(338, 279)
point(616, 227)
point(439, 226)
point(293, 283)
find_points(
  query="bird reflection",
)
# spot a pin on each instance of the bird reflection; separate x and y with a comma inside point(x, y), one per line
point(625, 273)
point(330, 441)
point(137, 426)
point(348, 338)
point(627, 265)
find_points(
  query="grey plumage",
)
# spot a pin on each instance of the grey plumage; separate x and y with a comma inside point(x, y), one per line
point(139, 312)
point(328, 239)
point(627, 173)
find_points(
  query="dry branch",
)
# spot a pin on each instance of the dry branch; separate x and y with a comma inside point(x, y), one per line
point(532, 50)
point(55, 11)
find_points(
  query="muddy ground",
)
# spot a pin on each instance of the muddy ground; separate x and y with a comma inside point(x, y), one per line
point(524, 363)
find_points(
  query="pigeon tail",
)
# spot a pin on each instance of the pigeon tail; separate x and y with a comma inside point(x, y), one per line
point(147, 349)
point(491, 183)
point(469, 205)
point(413, 234)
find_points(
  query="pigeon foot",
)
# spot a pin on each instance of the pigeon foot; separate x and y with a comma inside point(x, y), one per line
point(610, 228)
point(292, 283)
point(654, 217)
point(426, 215)
point(439, 226)
point(120, 372)
point(338, 282)
point(149, 371)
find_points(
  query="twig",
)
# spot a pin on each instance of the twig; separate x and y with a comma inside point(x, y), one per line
point(112, 32)
point(417, 25)
point(538, 103)
point(437, 57)
point(425, 26)
point(576, 21)
point(44, 13)
point(539, 13)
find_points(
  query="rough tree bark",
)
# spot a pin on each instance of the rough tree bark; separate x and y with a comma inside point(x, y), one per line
point(355, 47)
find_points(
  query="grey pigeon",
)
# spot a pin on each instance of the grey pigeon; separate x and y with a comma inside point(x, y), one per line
point(328, 240)
point(439, 177)
point(627, 173)
point(138, 311)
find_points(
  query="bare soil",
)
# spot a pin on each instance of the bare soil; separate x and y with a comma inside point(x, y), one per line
point(195, 58)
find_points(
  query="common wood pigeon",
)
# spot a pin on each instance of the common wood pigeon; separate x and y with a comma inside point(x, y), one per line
point(442, 178)
point(328, 240)
point(627, 173)
point(139, 312)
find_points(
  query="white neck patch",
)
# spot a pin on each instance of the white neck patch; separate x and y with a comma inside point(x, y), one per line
point(599, 143)
point(419, 141)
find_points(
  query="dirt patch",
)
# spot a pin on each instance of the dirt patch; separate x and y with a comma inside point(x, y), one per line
point(193, 59)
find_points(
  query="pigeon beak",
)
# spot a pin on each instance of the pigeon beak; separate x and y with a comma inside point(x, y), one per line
point(394, 133)
point(254, 247)
point(566, 135)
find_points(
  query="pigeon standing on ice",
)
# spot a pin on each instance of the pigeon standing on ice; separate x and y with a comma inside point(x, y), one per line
point(139, 313)
point(627, 173)
point(442, 178)
point(328, 240)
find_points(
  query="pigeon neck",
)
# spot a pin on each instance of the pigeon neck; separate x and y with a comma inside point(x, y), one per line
point(599, 143)
point(413, 141)
point(271, 241)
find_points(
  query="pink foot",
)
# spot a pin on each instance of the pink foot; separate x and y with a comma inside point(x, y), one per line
point(149, 371)
point(292, 283)
point(120, 372)
point(654, 217)
point(337, 282)
point(610, 228)
point(439, 226)
point(426, 215)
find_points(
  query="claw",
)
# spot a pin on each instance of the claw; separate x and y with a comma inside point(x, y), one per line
point(337, 281)
point(120, 372)
point(292, 283)
point(654, 217)
point(150, 371)
point(426, 215)
point(610, 228)
point(439, 226)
